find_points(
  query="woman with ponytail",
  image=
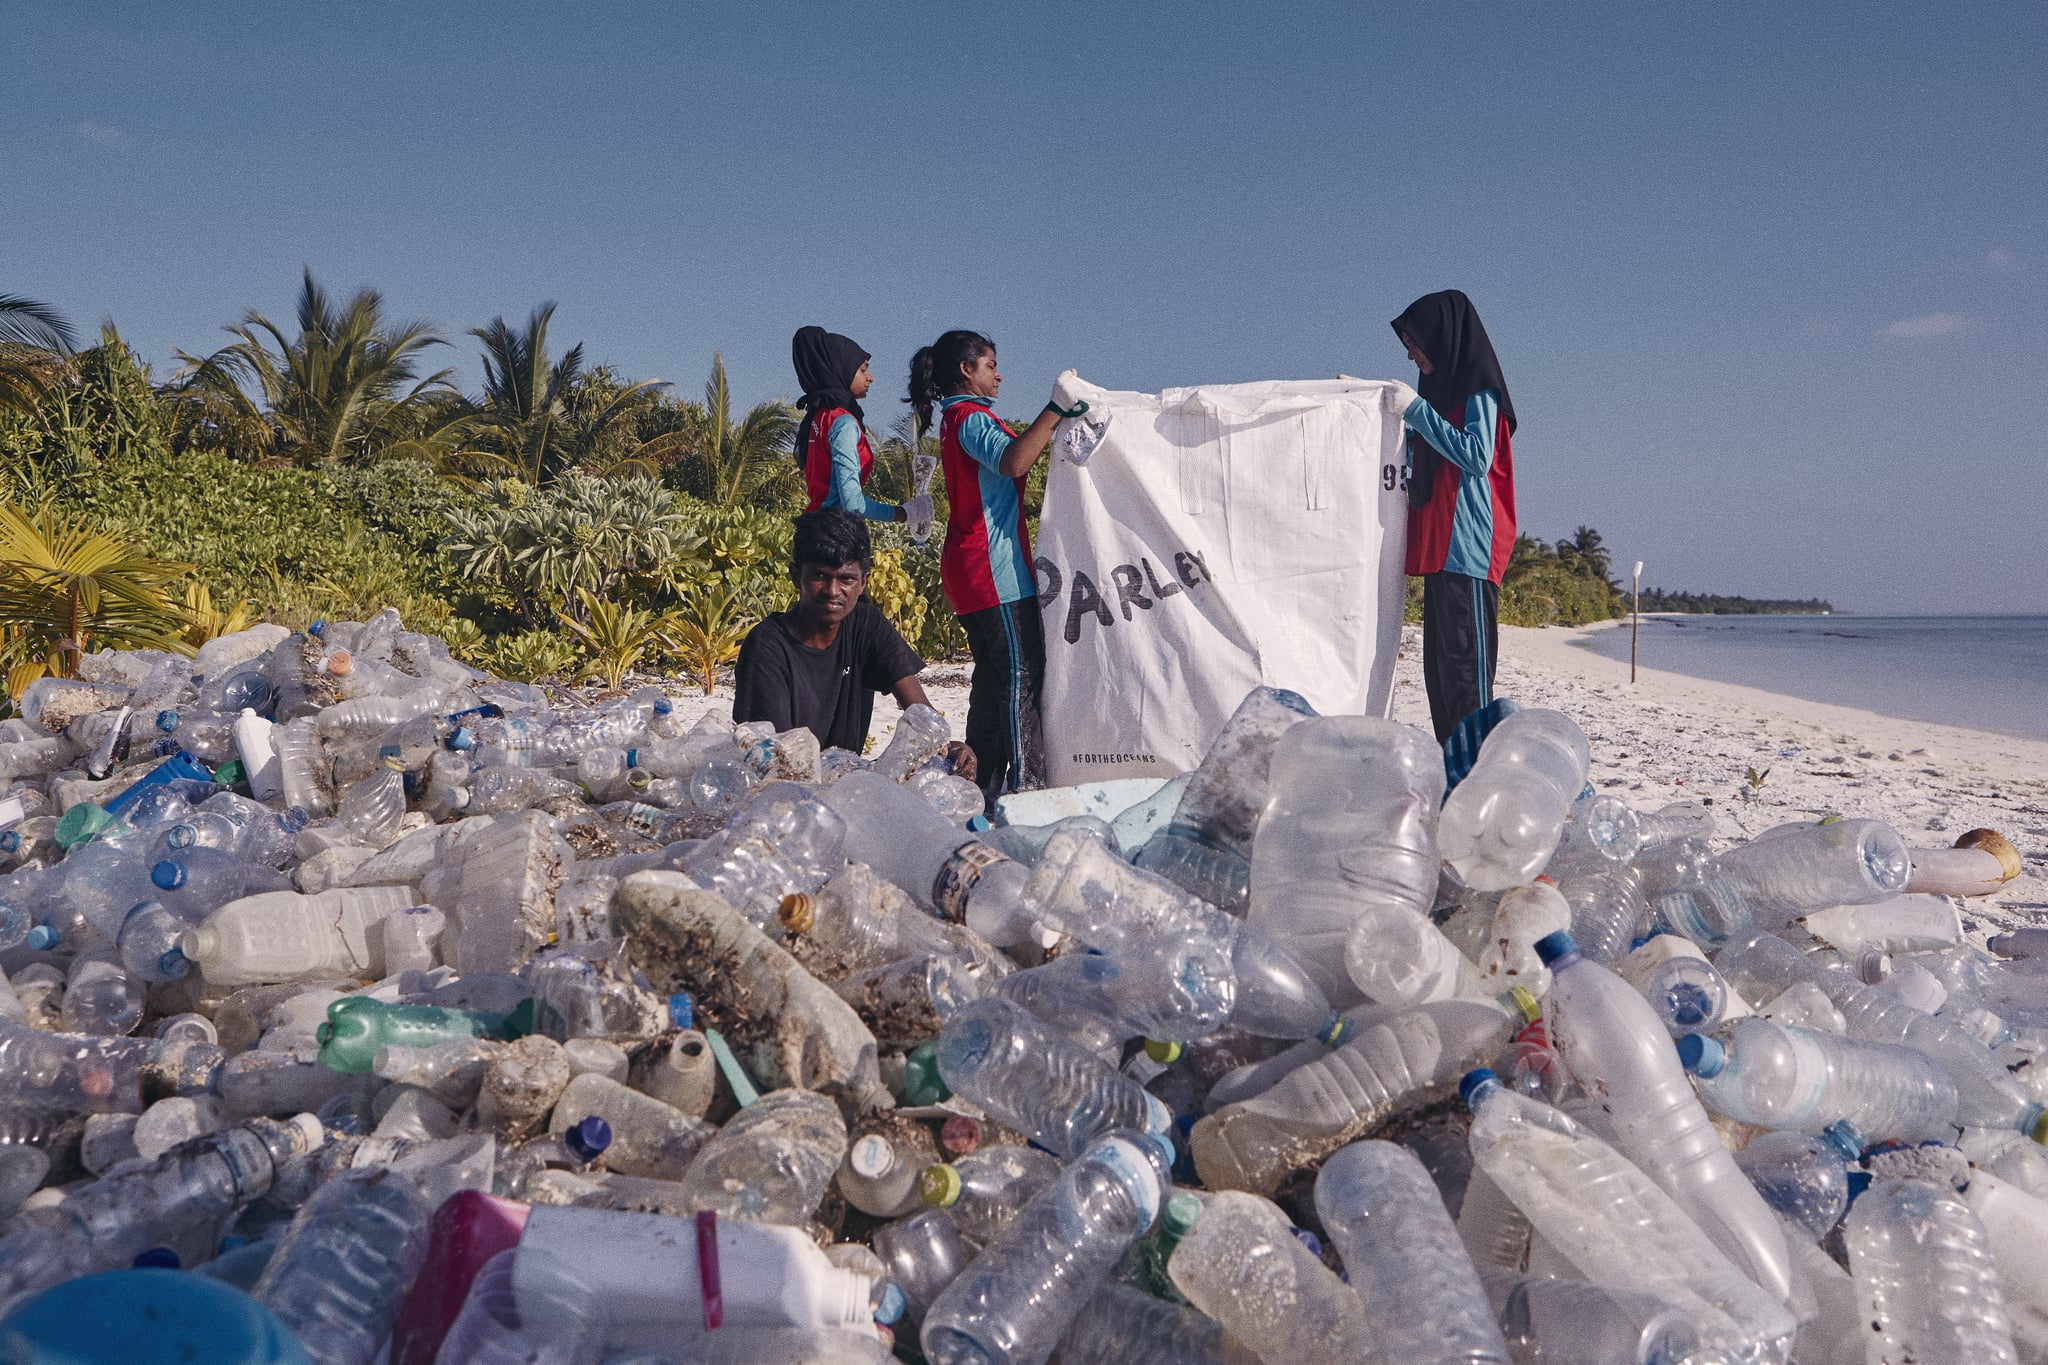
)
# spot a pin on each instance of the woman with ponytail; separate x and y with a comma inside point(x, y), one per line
point(985, 565)
point(831, 441)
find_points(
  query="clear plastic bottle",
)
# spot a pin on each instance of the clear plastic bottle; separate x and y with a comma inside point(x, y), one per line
point(1170, 989)
point(543, 1313)
point(1397, 1063)
point(649, 1138)
point(923, 1254)
point(773, 1161)
point(71, 1072)
point(1422, 1296)
point(884, 1163)
point(857, 920)
point(1836, 862)
point(1080, 887)
point(283, 936)
point(1206, 848)
point(921, 734)
point(1569, 1322)
point(1126, 1326)
point(1687, 994)
point(372, 809)
point(906, 841)
point(1607, 907)
point(1006, 1060)
point(344, 1265)
point(1616, 1048)
point(983, 1190)
point(1524, 915)
point(1349, 829)
point(1502, 823)
point(1021, 1294)
point(1925, 1279)
point(299, 763)
point(1614, 1225)
point(99, 998)
point(181, 1198)
point(1399, 956)
point(197, 881)
point(1242, 1265)
point(1601, 831)
point(1777, 1077)
point(1805, 1177)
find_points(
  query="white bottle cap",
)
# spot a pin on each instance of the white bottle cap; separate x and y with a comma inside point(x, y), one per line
point(872, 1157)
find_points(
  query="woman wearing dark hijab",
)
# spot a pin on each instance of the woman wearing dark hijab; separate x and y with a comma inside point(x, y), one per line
point(1461, 498)
point(831, 441)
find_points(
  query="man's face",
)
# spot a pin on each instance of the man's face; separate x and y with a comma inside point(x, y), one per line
point(825, 593)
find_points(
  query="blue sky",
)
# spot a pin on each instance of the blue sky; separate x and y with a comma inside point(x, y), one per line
point(1769, 283)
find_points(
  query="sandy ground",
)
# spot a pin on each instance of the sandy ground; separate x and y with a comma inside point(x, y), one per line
point(1668, 737)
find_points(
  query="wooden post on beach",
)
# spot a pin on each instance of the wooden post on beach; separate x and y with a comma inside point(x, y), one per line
point(1635, 612)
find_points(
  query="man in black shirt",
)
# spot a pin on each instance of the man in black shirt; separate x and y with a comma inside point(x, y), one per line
point(820, 663)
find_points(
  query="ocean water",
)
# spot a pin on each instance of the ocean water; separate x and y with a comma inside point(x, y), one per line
point(1982, 672)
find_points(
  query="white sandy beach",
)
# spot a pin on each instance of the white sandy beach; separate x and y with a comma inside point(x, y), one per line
point(1669, 737)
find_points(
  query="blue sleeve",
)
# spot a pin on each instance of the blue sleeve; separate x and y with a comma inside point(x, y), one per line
point(985, 441)
point(1471, 449)
point(846, 492)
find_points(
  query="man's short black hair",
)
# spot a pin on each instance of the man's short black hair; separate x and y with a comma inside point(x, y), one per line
point(830, 537)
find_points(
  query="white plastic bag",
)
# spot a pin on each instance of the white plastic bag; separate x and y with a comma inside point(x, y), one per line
point(1199, 542)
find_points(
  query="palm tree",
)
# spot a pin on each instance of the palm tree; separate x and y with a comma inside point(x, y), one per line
point(735, 463)
point(539, 419)
point(34, 340)
point(66, 588)
point(347, 386)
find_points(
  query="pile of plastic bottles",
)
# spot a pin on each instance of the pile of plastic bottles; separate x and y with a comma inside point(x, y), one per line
point(359, 1006)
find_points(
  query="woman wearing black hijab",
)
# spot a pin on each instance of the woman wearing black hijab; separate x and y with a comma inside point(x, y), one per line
point(831, 441)
point(1461, 498)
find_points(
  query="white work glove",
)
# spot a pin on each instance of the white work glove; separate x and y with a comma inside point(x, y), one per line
point(1397, 397)
point(1066, 396)
point(918, 511)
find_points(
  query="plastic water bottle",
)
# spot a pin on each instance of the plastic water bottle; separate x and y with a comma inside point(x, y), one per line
point(983, 1190)
point(921, 734)
point(1005, 1060)
point(899, 835)
point(1242, 1265)
point(299, 758)
point(1805, 1177)
point(1616, 1048)
point(1607, 907)
point(1020, 1295)
point(923, 1254)
point(1837, 862)
point(1081, 888)
point(197, 881)
point(1206, 848)
point(70, 1072)
point(884, 1163)
point(1524, 916)
point(372, 809)
point(1173, 990)
point(1925, 1280)
point(99, 998)
point(346, 1262)
point(1687, 994)
point(1399, 956)
point(773, 1161)
point(1601, 831)
point(1398, 1063)
point(1503, 822)
point(1777, 1077)
point(648, 1137)
point(256, 747)
point(283, 936)
point(1569, 1322)
point(1126, 1326)
point(857, 920)
point(1422, 1297)
point(525, 1306)
point(187, 1192)
point(1349, 831)
point(1614, 1225)
point(358, 1026)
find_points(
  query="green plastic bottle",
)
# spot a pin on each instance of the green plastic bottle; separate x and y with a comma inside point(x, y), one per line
point(357, 1026)
point(1145, 1266)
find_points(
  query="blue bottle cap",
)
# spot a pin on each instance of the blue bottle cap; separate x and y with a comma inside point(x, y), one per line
point(317, 629)
point(168, 875)
point(1475, 1083)
point(10, 841)
point(167, 721)
point(1842, 1139)
point(1558, 949)
point(891, 1308)
point(588, 1138)
point(682, 1010)
point(1701, 1055)
point(1309, 1240)
point(979, 823)
point(158, 1258)
point(663, 706)
point(463, 738)
point(42, 938)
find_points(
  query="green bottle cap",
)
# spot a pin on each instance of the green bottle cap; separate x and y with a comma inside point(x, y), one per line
point(231, 774)
point(81, 823)
point(939, 1185)
point(1183, 1211)
point(922, 1083)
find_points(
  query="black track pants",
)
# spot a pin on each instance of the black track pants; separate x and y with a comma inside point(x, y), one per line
point(1008, 643)
point(1460, 635)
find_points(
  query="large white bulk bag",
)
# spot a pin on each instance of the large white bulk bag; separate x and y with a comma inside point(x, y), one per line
point(1199, 542)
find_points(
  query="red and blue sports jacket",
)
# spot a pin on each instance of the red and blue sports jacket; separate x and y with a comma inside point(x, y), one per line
point(1468, 524)
point(836, 466)
point(986, 560)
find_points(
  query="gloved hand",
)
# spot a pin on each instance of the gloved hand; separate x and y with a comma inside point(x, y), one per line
point(1397, 397)
point(1066, 397)
point(918, 509)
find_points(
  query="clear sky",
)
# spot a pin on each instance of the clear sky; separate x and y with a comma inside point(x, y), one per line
point(1769, 282)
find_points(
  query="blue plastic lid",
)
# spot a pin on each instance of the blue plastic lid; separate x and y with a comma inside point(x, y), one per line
point(892, 1305)
point(1475, 1083)
point(588, 1138)
point(632, 758)
point(463, 738)
point(663, 706)
point(158, 1258)
point(979, 823)
point(1842, 1138)
point(1309, 1240)
point(167, 721)
point(168, 875)
point(1701, 1055)
point(42, 938)
point(10, 841)
point(317, 629)
point(682, 1010)
point(1558, 949)
point(295, 819)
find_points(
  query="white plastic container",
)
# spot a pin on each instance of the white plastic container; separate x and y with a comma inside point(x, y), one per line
point(283, 936)
point(259, 758)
